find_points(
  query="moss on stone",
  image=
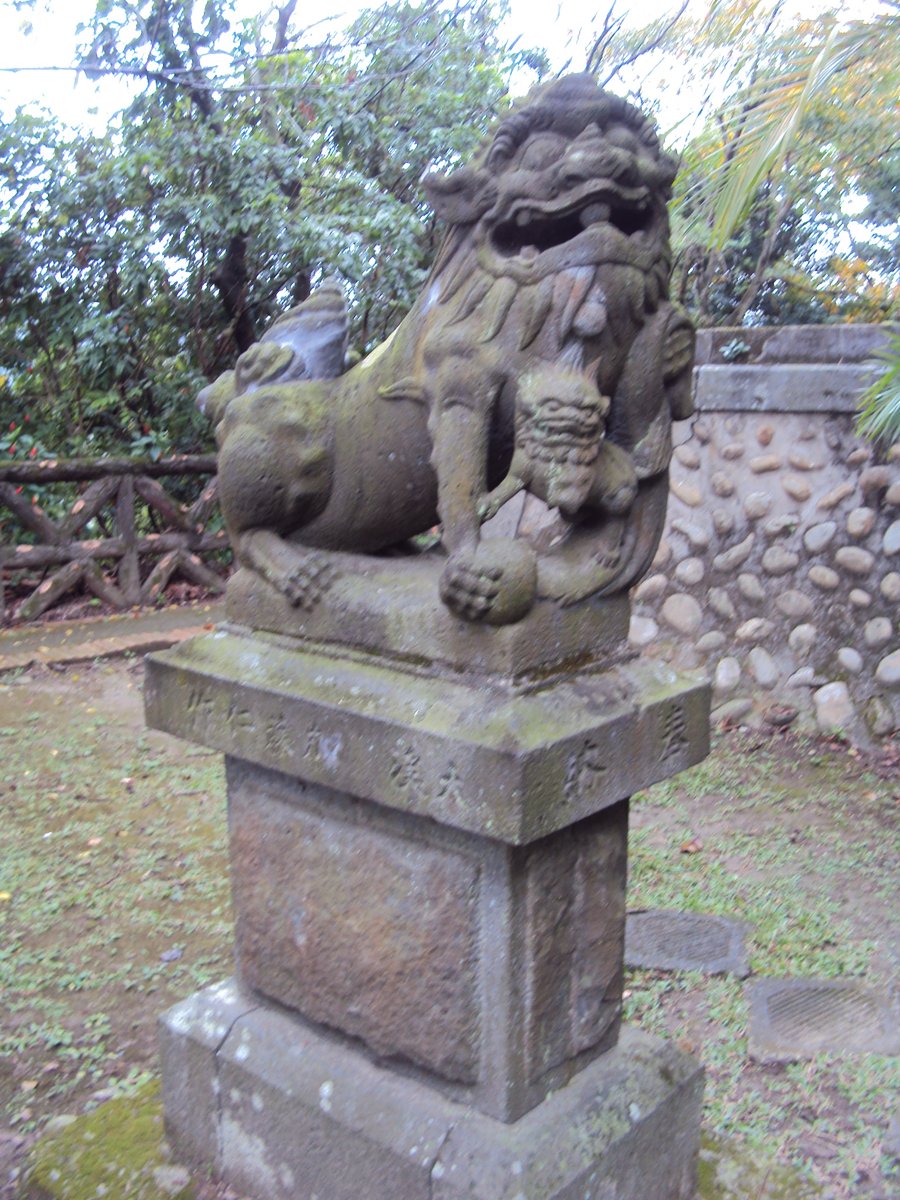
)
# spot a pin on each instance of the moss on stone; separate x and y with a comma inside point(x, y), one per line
point(116, 1151)
point(729, 1171)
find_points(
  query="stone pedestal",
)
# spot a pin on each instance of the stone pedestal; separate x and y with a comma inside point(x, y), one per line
point(284, 1111)
point(428, 864)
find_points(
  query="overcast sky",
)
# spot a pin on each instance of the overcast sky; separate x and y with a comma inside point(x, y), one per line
point(51, 44)
point(562, 29)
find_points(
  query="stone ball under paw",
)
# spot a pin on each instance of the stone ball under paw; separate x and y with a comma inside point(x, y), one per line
point(497, 583)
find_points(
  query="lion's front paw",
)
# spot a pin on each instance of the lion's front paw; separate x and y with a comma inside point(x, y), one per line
point(307, 583)
point(496, 582)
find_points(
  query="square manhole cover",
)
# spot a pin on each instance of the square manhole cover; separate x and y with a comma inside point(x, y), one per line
point(793, 1018)
point(682, 941)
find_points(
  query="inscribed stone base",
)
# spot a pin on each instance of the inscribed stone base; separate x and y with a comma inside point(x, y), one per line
point(282, 1112)
point(468, 753)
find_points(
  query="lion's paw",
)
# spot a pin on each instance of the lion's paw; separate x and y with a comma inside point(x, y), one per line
point(308, 582)
point(495, 583)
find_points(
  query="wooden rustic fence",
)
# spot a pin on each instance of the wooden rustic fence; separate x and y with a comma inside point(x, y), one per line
point(147, 535)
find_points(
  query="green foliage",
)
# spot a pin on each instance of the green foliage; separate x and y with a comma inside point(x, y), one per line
point(880, 406)
point(136, 265)
point(784, 208)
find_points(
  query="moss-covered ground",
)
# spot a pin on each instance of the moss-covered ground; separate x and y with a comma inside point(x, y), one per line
point(114, 903)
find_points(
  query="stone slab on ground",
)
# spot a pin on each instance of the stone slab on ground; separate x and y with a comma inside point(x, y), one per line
point(294, 1113)
point(60, 643)
point(116, 1151)
point(686, 941)
point(797, 1018)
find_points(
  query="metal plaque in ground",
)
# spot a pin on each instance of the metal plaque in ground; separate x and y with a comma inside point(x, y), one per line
point(683, 941)
point(797, 1018)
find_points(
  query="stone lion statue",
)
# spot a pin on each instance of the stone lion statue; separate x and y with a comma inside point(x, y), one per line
point(542, 355)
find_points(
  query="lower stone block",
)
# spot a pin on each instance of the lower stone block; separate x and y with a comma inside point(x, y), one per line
point(290, 1114)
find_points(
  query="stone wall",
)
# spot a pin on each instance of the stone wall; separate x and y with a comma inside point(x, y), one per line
point(779, 572)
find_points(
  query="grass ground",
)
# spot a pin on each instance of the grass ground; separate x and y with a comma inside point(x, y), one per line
point(114, 903)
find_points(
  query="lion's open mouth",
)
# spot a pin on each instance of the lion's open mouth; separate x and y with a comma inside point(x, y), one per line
point(535, 231)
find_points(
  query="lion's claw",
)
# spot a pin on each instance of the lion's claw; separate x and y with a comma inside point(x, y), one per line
point(470, 591)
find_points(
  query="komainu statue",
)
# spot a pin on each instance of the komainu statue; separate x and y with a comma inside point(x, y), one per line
point(543, 355)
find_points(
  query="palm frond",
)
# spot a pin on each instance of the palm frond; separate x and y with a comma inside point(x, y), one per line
point(879, 416)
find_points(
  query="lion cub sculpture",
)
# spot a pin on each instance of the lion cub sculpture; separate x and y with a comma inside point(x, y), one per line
point(542, 355)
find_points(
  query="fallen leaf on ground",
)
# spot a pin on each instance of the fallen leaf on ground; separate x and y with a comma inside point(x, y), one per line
point(692, 846)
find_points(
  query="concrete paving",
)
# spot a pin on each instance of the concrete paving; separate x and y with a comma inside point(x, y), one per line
point(58, 643)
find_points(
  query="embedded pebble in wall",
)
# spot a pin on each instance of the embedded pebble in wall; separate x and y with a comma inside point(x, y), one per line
point(734, 424)
point(762, 667)
point(764, 462)
point(690, 571)
point(781, 525)
point(855, 560)
point(834, 708)
point(663, 554)
point(796, 488)
point(778, 560)
point(891, 541)
point(682, 612)
point(720, 602)
point(888, 670)
point(833, 498)
point(727, 676)
point(817, 537)
point(642, 631)
point(808, 433)
point(695, 534)
point(878, 632)
point(858, 456)
point(794, 604)
point(723, 522)
point(757, 504)
point(651, 588)
point(722, 484)
point(702, 430)
point(801, 639)
point(733, 451)
point(874, 482)
point(687, 493)
point(860, 522)
point(731, 559)
point(859, 598)
point(851, 660)
point(879, 717)
point(800, 462)
point(890, 587)
point(892, 495)
point(833, 435)
point(688, 456)
point(764, 434)
point(824, 578)
point(731, 710)
point(754, 630)
point(711, 642)
point(805, 677)
point(750, 588)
